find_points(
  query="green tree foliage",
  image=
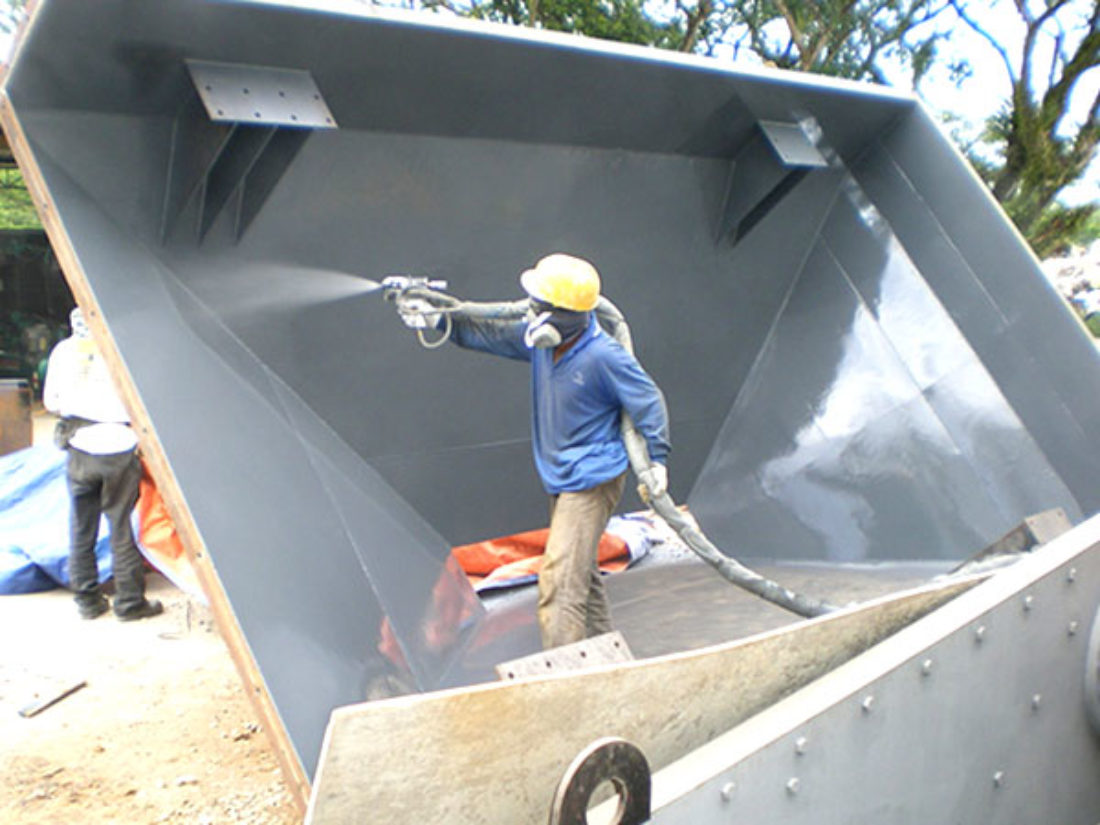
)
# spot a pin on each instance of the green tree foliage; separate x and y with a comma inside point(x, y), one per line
point(1041, 150)
point(621, 20)
point(843, 38)
point(1088, 233)
point(11, 13)
point(846, 38)
point(16, 207)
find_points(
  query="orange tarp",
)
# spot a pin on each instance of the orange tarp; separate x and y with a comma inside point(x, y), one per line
point(159, 539)
point(516, 559)
point(499, 562)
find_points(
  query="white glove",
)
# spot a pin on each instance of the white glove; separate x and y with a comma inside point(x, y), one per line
point(418, 313)
point(654, 482)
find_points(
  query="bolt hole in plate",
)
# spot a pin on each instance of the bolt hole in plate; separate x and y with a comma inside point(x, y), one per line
point(608, 763)
point(1092, 675)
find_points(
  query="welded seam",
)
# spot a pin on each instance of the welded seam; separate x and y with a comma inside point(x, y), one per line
point(752, 377)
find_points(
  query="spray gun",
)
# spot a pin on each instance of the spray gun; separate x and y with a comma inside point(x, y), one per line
point(396, 285)
point(410, 294)
point(421, 303)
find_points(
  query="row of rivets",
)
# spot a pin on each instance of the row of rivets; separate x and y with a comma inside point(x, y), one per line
point(867, 704)
point(1071, 577)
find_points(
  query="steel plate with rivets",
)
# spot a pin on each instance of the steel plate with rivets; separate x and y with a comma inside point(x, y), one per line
point(975, 713)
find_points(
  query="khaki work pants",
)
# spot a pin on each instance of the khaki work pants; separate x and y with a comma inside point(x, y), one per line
point(572, 601)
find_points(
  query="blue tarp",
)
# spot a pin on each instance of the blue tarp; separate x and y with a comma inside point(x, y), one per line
point(34, 523)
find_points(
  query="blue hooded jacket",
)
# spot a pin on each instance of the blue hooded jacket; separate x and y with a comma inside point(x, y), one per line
point(576, 402)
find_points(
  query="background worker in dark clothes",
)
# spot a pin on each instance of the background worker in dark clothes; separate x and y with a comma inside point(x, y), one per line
point(581, 381)
point(104, 473)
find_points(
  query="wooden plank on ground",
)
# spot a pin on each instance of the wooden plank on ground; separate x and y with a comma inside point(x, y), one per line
point(494, 753)
point(51, 698)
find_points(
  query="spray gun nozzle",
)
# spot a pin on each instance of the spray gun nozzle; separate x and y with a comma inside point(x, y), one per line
point(393, 286)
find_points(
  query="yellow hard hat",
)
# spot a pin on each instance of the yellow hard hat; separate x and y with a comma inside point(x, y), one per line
point(564, 281)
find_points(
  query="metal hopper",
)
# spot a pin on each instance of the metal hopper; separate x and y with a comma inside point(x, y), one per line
point(861, 358)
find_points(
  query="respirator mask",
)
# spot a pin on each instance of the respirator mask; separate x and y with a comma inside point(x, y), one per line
point(548, 326)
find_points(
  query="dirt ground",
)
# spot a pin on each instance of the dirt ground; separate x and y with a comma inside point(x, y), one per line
point(161, 733)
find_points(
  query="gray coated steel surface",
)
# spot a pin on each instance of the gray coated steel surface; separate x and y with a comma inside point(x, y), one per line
point(979, 712)
point(861, 360)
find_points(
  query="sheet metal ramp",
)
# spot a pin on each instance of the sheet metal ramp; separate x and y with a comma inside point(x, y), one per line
point(970, 700)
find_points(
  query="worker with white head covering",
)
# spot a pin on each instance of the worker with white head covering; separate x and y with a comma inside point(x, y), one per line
point(104, 474)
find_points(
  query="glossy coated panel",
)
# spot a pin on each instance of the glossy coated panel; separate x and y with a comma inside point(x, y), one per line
point(943, 266)
point(1042, 361)
point(1014, 472)
point(920, 332)
point(900, 444)
point(1035, 312)
point(968, 217)
point(1060, 433)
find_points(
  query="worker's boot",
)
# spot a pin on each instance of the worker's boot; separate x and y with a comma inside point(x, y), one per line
point(143, 611)
point(93, 608)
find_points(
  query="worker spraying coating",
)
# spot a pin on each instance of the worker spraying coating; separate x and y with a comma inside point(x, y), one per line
point(595, 412)
point(581, 380)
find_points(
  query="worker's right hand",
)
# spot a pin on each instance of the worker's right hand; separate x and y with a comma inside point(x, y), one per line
point(418, 313)
point(654, 482)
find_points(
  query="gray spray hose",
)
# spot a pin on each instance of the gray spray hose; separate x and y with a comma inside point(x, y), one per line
point(688, 530)
point(681, 522)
